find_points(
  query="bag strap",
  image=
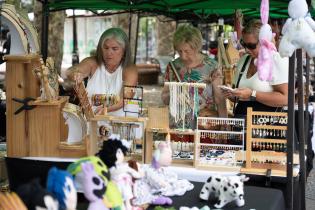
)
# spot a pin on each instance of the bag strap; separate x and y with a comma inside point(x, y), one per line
point(239, 78)
point(242, 71)
point(175, 71)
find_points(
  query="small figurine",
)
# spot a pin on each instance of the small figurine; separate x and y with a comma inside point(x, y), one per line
point(60, 184)
point(36, 197)
point(93, 187)
point(225, 188)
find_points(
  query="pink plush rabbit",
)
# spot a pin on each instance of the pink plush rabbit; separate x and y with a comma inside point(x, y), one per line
point(267, 47)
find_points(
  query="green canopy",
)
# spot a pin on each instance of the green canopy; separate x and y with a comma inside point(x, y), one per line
point(177, 9)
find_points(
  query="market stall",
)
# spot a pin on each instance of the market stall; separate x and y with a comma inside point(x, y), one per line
point(269, 151)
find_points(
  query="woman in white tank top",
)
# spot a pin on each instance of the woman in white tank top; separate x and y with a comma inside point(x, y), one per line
point(108, 70)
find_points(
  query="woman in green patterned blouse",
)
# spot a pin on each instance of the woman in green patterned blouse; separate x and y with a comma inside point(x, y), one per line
point(193, 66)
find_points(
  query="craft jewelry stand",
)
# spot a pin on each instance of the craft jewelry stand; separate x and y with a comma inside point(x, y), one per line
point(127, 131)
point(219, 143)
point(133, 99)
point(180, 101)
point(94, 133)
point(266, 143)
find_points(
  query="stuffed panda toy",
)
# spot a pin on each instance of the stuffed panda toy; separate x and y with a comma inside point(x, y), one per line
point(225, 189)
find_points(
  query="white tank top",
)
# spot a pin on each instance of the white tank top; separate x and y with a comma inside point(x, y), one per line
point(104, 82)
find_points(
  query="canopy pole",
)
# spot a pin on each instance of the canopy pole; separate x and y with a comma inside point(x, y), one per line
point(75, 54)
point(290, 132)
point(301, 126)
point(45, 25)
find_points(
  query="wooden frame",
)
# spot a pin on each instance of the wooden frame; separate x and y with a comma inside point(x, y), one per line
point(261, 168)
point(236, 150)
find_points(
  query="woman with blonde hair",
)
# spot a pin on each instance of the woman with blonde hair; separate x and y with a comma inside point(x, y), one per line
point(250, 90)
point(193, 66)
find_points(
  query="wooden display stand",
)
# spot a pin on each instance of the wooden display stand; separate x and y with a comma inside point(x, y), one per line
point(92, 146)
point(40, 131)
point(229, 141)
point(20, 83)
point(48, 133)
point(261, 167)
point(159, 123)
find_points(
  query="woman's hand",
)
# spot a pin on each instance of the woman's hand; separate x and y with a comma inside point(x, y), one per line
point(242, 93)
point(99, 110)
point(228, 94)
point(78, 77)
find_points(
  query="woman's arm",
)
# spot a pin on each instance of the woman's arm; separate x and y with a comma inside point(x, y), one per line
point(219, 99)
point(166, 91)
point(277, 98)
point(82, 70)
point(130, 78)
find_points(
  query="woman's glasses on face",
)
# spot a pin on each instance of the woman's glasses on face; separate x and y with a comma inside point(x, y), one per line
point(250, 46)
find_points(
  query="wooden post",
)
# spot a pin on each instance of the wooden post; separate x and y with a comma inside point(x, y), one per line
point(249, 138)
point(20, 83)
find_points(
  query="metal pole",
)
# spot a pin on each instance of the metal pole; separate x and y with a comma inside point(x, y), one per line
point(136, 39)
point(146, 39)
point(45, 24)
point(75, 54)
point(290, 132)
point(301, 126)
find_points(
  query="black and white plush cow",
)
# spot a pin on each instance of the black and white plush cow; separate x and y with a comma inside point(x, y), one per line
point(225, 188)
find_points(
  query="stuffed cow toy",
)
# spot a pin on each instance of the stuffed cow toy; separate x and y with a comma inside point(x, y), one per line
point(225, 189)
point(298, 30)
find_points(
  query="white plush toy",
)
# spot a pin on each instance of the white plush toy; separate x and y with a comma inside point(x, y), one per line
point(267, 47)
point(298, 30)
point(225, 188)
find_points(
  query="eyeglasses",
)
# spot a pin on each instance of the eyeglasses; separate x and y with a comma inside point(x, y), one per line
point(250, 46)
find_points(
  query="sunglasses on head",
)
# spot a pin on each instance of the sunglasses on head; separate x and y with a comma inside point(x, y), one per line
point(250, 46)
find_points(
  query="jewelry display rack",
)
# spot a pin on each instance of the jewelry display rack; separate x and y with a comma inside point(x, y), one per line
point(158, 126)
point(133, 99)
point(266, 142)
point(219, 143)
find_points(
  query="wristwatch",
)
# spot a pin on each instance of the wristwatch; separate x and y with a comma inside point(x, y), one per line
point(253, 95)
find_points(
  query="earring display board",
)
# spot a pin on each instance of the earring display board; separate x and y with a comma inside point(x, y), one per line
point(266, 142)
point(219, 143)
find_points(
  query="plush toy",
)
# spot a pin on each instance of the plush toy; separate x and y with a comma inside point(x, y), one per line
point(60, 184)
point(93, 187)
point(158, 180)
point(112, 196)
point(36, 197)
point(113, 153)
point(267, 47)
point(298, 30)
point(162, 156)
point(224, 188)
